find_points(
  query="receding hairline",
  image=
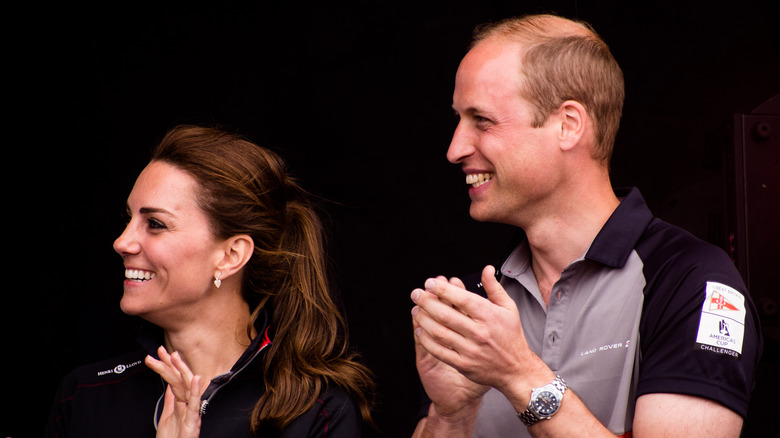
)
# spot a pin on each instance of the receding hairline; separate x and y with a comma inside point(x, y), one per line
point(529, 29)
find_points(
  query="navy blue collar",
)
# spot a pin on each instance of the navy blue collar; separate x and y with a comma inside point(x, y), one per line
point(150, 337)
point(617, 239)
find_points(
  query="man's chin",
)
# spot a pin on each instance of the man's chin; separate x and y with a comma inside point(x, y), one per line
point(479, 214)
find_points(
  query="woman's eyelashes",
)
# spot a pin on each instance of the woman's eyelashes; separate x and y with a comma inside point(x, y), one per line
point(151, 222)
point(155, 224)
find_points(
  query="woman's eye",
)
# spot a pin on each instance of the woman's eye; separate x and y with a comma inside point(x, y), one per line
point(156, 225)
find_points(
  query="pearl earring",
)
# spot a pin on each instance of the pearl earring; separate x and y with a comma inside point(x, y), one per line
point(217, 281)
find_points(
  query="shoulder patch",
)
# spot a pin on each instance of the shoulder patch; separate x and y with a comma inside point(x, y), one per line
point(722, 322)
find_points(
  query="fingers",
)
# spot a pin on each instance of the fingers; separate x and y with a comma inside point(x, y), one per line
point(437, 308)
point(445, 301)
point(174, 371)
point(181, 367)
point(165, 368)
point(168, 403)
point(160, 367)
point(455, 281)
point(191, 421)
point(193, 402)
point(495, 292)
point(436, 325)
point(452, 293)
point(180, 417)
point(429, 346)
point(447, 316)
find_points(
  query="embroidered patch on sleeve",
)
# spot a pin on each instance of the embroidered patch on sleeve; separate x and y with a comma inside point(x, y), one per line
point(722, 322)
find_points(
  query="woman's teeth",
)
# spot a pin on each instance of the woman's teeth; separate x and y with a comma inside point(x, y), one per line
point(477, 179)
point(137, 274)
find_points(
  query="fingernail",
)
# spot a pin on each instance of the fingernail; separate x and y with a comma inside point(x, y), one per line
point(415, 309)
point(430, 284)
point(417, 331)
point(415, 295)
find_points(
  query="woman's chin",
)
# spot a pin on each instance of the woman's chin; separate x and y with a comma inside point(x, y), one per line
point(129, 307)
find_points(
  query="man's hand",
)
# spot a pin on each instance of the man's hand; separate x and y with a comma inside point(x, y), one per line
point(442, 381)
point(481, 338)
point(455, 399)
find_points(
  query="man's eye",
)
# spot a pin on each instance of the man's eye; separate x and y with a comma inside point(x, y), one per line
point(482, 122)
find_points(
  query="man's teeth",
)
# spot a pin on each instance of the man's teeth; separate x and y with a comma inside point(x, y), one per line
point(137, 274)
point(477, 179)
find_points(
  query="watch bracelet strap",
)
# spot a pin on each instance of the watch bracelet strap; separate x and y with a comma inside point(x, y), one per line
point(527, 417)
point(560, 384)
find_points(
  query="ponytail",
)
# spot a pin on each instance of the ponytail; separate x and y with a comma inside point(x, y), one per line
point(309, 348)
point(245, 189)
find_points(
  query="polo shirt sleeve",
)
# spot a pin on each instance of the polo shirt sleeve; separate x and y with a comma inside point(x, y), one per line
point(699, 333)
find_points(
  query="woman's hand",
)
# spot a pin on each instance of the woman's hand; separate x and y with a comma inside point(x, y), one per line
point(181, 410)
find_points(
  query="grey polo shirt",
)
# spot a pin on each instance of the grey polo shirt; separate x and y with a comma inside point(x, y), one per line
point(648, 309)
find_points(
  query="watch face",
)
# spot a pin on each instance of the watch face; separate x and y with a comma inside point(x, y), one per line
point(546, 403)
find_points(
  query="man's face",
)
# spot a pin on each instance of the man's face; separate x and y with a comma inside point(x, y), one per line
point(509, 165)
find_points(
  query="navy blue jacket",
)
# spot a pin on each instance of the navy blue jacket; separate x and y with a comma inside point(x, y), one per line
point(122, 397)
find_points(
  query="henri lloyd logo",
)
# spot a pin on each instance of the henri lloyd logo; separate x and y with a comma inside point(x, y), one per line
point(119, 369)
point(722, 322)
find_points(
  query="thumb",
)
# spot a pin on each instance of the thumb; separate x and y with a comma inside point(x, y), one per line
point(495, 292)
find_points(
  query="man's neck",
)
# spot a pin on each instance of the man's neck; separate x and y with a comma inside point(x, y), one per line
point(559, 239)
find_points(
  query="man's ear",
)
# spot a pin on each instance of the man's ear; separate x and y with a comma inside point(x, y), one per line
point(574, 122)
point(237, 251)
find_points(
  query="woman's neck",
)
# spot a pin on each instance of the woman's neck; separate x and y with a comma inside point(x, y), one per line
point(211, 344)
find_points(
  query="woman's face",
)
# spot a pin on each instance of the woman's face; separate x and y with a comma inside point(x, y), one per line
point(169, 253)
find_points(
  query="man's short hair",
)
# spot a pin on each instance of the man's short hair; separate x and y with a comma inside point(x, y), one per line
point(562, 60)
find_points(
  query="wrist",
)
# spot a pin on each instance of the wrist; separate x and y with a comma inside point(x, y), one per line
point(520, 385)
point(453, 420)
point(544, 402)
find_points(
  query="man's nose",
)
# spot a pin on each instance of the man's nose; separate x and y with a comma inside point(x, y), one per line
point(461, 146)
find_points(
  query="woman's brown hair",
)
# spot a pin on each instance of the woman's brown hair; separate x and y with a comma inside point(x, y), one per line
point(245, 189)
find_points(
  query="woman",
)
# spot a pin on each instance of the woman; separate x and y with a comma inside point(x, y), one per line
point(224, 254)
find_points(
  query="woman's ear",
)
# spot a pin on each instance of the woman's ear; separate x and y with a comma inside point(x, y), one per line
point(237, 251)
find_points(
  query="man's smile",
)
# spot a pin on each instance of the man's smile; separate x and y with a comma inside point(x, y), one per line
point(477, 179)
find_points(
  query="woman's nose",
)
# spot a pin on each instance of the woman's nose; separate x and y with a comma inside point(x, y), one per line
point(126, 243)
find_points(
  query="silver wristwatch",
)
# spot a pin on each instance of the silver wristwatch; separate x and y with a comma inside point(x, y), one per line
point(545, 402)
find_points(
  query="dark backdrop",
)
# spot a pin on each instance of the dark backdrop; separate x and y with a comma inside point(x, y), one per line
point(356, 96)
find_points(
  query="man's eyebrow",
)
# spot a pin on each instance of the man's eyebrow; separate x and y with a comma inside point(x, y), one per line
point(468, 111)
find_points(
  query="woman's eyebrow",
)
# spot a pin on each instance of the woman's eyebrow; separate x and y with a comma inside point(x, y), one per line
point(154, 210)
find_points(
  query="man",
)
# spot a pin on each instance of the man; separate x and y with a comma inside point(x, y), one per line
point(603, 320)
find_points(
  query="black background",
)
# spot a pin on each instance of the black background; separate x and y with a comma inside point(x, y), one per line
point(356, 96)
